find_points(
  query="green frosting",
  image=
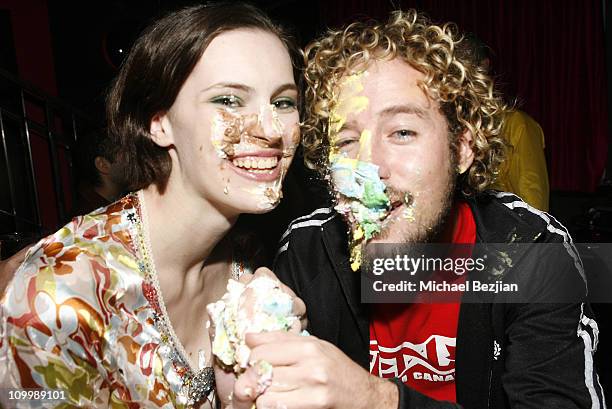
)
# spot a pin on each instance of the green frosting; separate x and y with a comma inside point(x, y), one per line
point(373, 196)
point(370, 228)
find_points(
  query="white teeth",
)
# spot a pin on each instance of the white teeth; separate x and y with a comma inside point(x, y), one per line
point(255, 164)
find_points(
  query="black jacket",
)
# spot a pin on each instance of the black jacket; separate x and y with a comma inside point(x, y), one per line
point(508, 355)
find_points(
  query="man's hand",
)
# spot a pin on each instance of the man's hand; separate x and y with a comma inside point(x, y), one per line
point(310, 373)
point(9, 266)
point(224, 379)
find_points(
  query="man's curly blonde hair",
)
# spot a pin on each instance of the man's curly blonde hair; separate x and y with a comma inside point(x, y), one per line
point(460, 84)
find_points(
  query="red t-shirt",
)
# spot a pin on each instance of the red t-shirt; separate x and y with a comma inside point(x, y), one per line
point(417, 342)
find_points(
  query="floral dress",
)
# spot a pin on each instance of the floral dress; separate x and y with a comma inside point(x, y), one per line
point(84, 315)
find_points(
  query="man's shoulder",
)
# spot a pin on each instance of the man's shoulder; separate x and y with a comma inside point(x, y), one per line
point(309, 226)
point(311, 222)
point(504, 217)
point(517, 123)
point(519, 118)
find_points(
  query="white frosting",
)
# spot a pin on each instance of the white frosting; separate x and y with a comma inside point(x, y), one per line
point(258, 306)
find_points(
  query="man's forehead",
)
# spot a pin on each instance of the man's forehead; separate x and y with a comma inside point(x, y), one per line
point(393, 85)
point(377, 75)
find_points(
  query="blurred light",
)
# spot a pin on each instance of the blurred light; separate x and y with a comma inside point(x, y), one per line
point(117, 41)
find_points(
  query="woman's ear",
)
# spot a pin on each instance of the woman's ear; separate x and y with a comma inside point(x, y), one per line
point(160, 130)
point(465, 151)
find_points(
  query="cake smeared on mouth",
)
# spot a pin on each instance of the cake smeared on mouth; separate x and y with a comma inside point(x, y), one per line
point(259, 306)
point(239, 139)
point(361, 199)
point(365, 202)
point(360, 193)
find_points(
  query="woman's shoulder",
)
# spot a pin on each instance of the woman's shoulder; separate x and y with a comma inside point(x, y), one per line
point(93, 235)
point(79, 260)
point(74, 288)
point(110, 223)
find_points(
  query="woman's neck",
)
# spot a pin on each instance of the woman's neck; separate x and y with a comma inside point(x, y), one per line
point(183, 231)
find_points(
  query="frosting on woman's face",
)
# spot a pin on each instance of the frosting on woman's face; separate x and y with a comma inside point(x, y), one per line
point(234, 125)
point(234, 137)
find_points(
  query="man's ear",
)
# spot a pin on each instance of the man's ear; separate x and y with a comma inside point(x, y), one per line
point(465, 151)
point(103, 165)
point(160, 130)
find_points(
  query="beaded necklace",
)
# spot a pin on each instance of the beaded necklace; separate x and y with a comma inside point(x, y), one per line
point(197, 385)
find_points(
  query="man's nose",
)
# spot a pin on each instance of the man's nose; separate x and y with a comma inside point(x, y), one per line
point(380, 159)
point(269, 127)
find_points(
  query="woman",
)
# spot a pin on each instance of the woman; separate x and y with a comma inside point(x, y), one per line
point(110, 310)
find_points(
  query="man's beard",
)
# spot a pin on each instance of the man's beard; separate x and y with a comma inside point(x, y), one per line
point(420, 230)
point(424, 231)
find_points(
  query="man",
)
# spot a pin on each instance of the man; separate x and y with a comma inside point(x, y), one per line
point(405, 126)
point(524, 171)
point(96, 170)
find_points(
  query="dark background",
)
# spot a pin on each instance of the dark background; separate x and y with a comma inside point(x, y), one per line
point(548, 55)
point(57, 59)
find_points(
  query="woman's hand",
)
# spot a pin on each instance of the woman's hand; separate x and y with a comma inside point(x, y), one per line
point(226, 379)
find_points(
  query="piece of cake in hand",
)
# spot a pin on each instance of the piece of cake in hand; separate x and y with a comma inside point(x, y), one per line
point(258, 306)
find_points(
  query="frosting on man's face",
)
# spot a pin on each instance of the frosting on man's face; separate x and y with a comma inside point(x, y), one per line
point(389, 161)
point(361, 199)
point(360, 193)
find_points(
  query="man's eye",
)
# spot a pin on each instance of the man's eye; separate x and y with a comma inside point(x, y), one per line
point(343, 143)
point(403, 135)
point(231, 101)
point(285, 104)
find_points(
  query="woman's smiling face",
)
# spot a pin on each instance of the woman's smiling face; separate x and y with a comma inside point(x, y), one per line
point(233, 128)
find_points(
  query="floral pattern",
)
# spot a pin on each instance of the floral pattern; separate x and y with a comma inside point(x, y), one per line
point(79, 316)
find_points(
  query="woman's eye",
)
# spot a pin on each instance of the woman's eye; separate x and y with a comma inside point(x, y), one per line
point(285, 104)
point(403, 135)
point(230, 101)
